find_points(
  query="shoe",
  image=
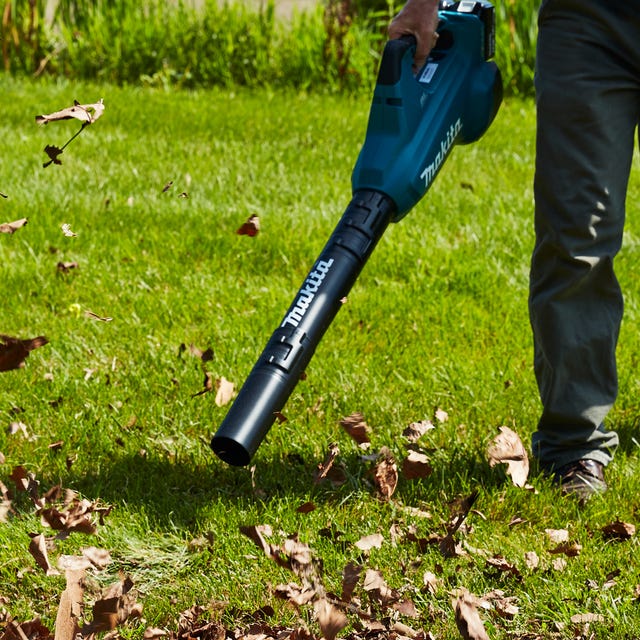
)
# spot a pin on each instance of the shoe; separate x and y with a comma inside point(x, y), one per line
point(582, 479)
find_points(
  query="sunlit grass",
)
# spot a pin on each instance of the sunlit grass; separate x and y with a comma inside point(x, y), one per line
point(437, 320)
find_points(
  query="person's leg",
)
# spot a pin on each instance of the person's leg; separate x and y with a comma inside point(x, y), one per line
point(588, 106)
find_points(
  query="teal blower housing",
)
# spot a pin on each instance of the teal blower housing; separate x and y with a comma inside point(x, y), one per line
point(414, 123)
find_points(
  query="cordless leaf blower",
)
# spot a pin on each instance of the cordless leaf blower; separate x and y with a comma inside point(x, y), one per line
point(414, 122)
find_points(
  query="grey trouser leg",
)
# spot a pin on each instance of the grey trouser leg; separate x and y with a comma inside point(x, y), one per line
point(588, 107)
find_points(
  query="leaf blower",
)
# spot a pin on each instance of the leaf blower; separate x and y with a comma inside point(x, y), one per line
point(414, 122)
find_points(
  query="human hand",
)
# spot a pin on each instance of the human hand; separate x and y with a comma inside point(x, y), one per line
point(420, 19)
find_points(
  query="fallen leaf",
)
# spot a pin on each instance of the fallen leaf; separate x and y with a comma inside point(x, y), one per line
point(441, 415)
point(507, 448)
point(225, 391)
point(117, 604)
point(532, 560)
point(468, 619)
point(66, 267)
point(357, 428)
point(12, 227)
point(417, 429)
point(251, 227)
point(416, 465)
point(167, 186)
point(618, 530)
point(385, 474)
point(350, 578)
point(53, 154)
point(557, 535)
point(377, 588)
point(38, 549)
point(70, 607)
point(14, 351)
point(86, 113)
point(372, 541)
point(151, 633)
point(570, 549)
point(295, 594)
point(330, 619)
point(586, 618)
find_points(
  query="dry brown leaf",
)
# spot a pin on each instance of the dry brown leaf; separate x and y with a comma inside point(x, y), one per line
point(151, 633)
point(117, 604)
point(86, 113)
point(417, 429)
point(357, 428)
point(378, 590)
point(12, 227)
point(416, 465)
point(618, 530)
point(503, 566)
point(324, 468)
point(557, 535)
point(38, 549)
point(385, 474)
point(350, 578)
point(306, 507)
point(570, 549)
point(70, 607)
point(251, 227)
point(468, 619)
point(295, 594)
point(372, 541)
point(225, 391)
point(441, 415)
point(256, 533)
point(532, 560)
point(330, 619)
point(14, 351)
point(507, 448)
point(66, 267)
point(586, 618)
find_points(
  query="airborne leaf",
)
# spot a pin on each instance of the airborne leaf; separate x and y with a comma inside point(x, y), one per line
point(507, 448)
point(251, 227)
point(86, 113)
point(14, 351)
point(12, 227)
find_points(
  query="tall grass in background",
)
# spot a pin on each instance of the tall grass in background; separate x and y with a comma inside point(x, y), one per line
point(335, 46)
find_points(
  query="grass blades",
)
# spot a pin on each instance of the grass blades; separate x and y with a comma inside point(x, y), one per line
point(438, 320)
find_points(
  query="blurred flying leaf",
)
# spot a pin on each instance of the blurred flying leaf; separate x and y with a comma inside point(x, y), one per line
point(86, 113)
point(14, 351)
point(12, 227)
point(251, 227)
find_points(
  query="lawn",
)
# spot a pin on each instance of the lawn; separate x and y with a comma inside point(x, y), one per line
point(149, 287)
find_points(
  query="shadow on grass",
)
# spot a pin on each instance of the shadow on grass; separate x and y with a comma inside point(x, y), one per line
point(184, 491)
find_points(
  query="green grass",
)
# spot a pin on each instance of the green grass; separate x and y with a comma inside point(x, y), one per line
point(438, 319)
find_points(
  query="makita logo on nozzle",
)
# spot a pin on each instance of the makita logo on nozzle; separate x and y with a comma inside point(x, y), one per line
point(445, 146)
point(307, 293)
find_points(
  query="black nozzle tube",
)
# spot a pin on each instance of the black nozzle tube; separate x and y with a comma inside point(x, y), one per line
point(279, 367)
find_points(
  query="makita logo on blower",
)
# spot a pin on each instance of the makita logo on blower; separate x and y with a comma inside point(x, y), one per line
point(445, 146)
point(307, 293)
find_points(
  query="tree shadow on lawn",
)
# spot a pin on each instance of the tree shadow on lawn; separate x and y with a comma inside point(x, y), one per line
point(183, 491)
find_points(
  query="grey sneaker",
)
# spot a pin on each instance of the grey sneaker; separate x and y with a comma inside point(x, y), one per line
point(582, 478)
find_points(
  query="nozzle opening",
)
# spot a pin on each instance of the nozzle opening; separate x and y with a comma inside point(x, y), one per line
point(230, 451)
